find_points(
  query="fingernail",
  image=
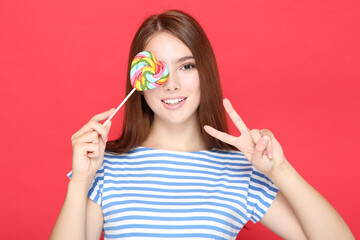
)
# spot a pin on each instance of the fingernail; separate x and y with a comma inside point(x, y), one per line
point(270, 155)
point(264, 140)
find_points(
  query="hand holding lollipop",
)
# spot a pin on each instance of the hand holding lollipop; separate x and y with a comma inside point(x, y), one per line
point(146, 73)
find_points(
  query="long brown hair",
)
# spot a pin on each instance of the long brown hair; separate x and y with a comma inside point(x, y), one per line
point(137, 114)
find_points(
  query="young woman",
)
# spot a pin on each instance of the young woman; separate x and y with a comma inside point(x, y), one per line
point(175, 173)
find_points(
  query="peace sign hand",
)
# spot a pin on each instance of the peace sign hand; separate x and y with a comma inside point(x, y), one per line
point(259, 146)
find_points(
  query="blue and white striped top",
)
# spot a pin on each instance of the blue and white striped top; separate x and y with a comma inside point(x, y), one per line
point(150, 193)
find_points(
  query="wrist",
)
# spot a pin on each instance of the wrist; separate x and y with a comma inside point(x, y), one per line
point(77, 191)
point(281, 173)
point(80, 183)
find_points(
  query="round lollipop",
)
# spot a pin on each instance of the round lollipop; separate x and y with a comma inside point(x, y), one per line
point(146, 73)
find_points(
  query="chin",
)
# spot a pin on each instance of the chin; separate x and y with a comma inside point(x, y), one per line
point(178, 116)
point(180, 119)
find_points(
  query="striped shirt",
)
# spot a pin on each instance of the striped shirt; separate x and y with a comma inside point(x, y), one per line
point(150, 193)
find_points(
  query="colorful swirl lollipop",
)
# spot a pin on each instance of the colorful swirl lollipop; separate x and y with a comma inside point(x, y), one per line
point(146, 73)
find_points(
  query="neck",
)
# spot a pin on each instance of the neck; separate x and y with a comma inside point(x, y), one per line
point(175, 136)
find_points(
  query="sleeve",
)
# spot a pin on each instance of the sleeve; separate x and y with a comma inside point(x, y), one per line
point(96, 187)
point(262, 192)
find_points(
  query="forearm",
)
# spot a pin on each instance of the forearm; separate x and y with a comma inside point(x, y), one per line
point(72, 218)
point(317, 217)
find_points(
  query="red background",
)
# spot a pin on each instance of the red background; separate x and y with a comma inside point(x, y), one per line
point(288, 66)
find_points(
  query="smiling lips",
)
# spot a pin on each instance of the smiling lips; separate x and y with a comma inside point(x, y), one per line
point(173, 103)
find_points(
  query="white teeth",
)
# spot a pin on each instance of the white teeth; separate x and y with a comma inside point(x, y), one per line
point(173, 101)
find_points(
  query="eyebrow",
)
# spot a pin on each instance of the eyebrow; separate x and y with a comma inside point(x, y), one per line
point(183, 59)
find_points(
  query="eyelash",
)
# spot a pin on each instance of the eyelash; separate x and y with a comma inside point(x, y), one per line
point(187, 65)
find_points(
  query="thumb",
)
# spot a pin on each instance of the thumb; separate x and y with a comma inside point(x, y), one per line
point(108, 125)
point(259, 149)
point(108, 130)
point(260, 161)
point(255, 134)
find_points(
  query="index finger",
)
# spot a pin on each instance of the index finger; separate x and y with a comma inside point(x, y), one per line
point(102, 116)
point(93, 126)
point(89, 126)
point(239, 123)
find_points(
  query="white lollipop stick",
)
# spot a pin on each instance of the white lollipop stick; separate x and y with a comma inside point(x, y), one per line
point(117, 109)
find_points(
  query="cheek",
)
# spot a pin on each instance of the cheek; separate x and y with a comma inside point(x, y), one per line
point(150, 95)
point(192, 83)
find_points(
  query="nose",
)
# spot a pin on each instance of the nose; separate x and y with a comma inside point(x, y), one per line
point(172, 84)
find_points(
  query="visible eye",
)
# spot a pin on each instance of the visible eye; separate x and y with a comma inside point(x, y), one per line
point(188, 67)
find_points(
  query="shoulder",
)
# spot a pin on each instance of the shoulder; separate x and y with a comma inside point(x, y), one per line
point(227, 155)
point(227, 159)
point(132, 154)
point(114, 155)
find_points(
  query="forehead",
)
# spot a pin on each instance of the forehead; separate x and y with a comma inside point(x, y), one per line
point(167, 47)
